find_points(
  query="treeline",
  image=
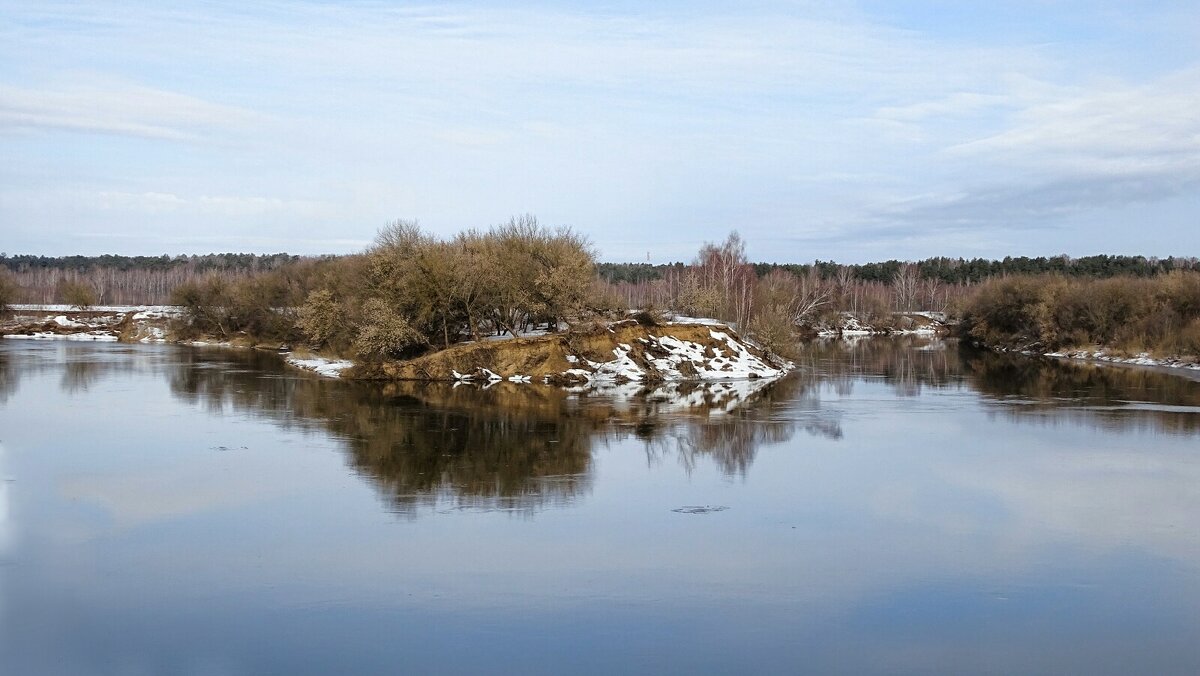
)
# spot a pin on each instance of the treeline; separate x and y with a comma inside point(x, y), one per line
point(943, 269)
point(124, 280)
point(1160, 315)
point(769, 301)
point(149, 280)
point(198, 263)
point(409, 292)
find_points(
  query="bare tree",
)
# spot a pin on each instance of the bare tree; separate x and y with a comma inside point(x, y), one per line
point(905, 286)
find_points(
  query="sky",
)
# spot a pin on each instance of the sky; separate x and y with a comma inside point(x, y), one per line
point(817, 130)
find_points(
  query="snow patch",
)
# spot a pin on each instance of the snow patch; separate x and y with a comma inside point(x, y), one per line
point(703, 321)
point(1140, 359)
point(330, 368)
point(83, 335)
point(675, 359)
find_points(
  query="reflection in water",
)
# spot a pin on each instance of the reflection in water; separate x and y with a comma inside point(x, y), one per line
point(505, 446)
point(80, 364)
point(9, 377)
point(906, 531)
point(1027, 389)
point(908, 363)
point(1113, 398)
point(521, 447)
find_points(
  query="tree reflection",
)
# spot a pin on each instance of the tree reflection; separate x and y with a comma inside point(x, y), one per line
point(10, 377)
point(907, 363)
point(523, 447)
point(513, 447)
point(1051, 391)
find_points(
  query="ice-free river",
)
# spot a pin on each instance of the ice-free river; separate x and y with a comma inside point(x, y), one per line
point(894, 506)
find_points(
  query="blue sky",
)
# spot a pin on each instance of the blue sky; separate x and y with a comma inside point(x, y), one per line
point(817, 130)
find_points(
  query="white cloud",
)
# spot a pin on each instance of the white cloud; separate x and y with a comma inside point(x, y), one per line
point(117, 108)
point(620, 123)
point(1111, 128)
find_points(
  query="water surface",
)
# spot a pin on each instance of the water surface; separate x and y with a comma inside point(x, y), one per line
point(896, 506)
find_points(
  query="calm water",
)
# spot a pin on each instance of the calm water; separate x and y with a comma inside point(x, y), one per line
point(894, 507)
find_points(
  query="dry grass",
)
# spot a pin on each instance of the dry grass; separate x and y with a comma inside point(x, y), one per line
point(537, 357)
point(1131, 315)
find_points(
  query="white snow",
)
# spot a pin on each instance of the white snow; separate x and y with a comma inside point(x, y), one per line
point(330, 368)
point(156, 335)
point(164, 310)
point(851, 326)
point(62, 320)
point(704, 321)
point(1141, 359)
point(84, 335)
point(623, 367)
point(736, 362)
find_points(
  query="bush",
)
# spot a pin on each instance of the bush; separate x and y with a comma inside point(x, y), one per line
point(9, 292)
point(77, 294)
point(321, 318)
point(1189, 339)
point(206, 306)
point(774, 329)
point(1124, 313)
point(384, 334)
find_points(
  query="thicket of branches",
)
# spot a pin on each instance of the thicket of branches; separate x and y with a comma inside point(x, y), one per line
point(770, 302)
point(1050, 312)
point(944, 269)
point(409, 292)
point(9, 291)
point(413, 291)
point(127, 280)
point(143, 280)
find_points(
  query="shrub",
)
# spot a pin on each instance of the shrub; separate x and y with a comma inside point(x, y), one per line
point(775, 330)
point(384, 334)
point(9, 291)
point(321, 318)
point(1005, 311)
point(1189, 339)
point(77, 294)
point(1123, 313)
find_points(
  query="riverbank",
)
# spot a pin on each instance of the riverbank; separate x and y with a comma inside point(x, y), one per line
point(130, 324)
point(1101, 355)
point(897, 324)
point(623, 352)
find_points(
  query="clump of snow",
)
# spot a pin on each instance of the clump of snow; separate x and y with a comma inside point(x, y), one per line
point(623, 367)
point(45, 335)
point(850, 326)
point(62, 320)
point(154, 334)
point(163, 310)
point(330, 368)
point(703, 321)
point(1140, 359)
point(674, 359)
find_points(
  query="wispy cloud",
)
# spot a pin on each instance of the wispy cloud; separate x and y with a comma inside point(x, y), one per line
point(117, 108)
point(682, 122)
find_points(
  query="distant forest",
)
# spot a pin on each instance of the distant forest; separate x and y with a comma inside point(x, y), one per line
point(132, 280)
point(942, 269)
point(214, 261)
point(947, 270)
point(126, 280)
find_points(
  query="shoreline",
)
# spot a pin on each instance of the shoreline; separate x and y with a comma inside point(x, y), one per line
point(1170, 365)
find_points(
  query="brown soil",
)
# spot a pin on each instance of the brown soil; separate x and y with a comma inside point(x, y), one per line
point(543, 356)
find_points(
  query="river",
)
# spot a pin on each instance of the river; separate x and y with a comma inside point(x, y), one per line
point(893, 506)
